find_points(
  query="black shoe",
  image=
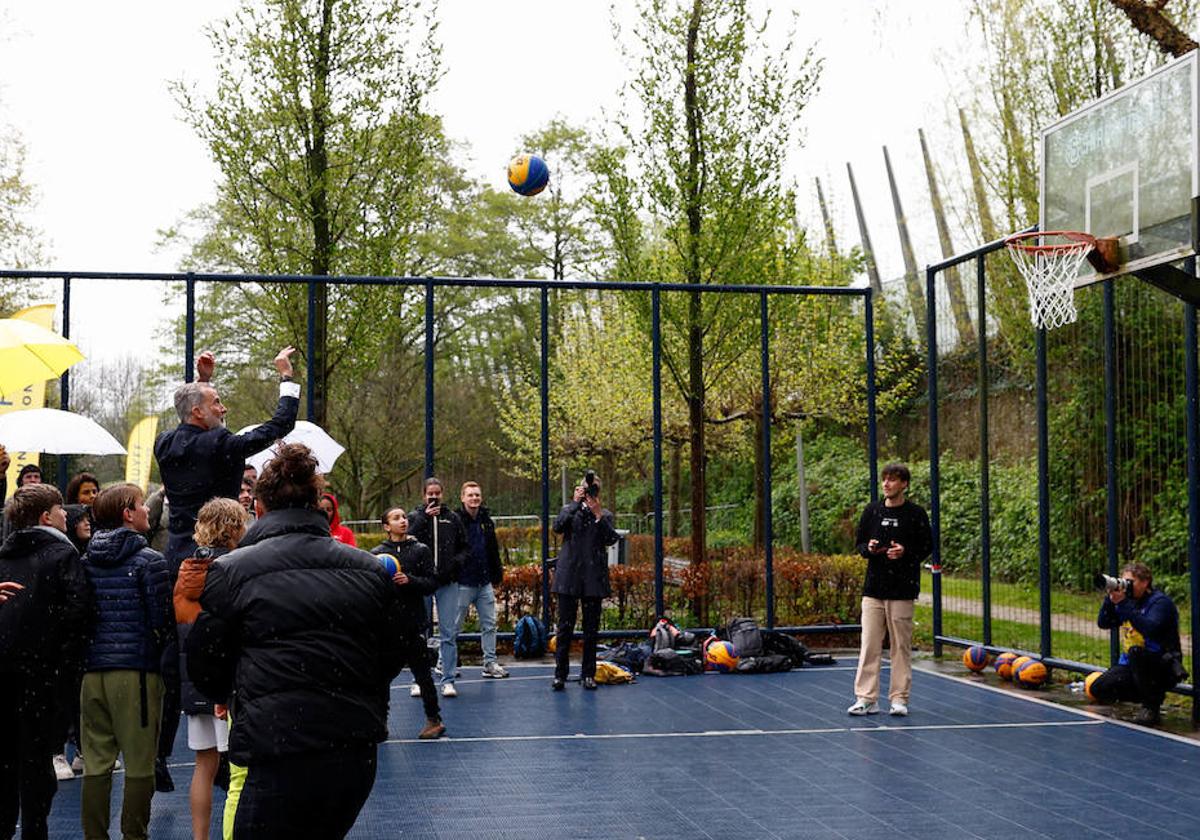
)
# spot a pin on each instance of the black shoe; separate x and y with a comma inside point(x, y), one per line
point(1148, 716)
point(222, 778)
point(589, 683)
point(162, 776)
point(558, 685)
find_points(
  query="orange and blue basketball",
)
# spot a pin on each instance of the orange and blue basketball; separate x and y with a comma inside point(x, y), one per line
point(721, 656)
point(389, 564)
point(976, 658)
point(1030, 673)
point(528, 174)
point(1087, 685)
point(1004, 664)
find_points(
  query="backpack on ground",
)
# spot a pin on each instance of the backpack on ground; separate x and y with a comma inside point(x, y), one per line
point(673, 663)
point(627, 655)
point(609, 673)
point(529, 638)
point(746, 637)
point(775, 642)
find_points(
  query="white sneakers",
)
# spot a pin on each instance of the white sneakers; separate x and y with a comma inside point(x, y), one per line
point(863, 707)
point(415, 691)
point(494, 670)
point(62, 768)
point(448, 690)
point(899, 709)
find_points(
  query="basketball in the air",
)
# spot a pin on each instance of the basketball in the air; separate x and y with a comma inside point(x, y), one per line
point(721, 657)
point(1087, 685)
point(976, 658)
point(389, 564)
point(1004, 664)
point(1030, 673)
point(528, 174)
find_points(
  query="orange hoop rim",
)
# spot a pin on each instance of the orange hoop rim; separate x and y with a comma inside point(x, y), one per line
point(1075, 238)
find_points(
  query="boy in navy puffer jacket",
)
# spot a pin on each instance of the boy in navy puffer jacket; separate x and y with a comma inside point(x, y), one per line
point(121, 698)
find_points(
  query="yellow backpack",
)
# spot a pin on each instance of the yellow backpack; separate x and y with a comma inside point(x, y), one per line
point(608, 673)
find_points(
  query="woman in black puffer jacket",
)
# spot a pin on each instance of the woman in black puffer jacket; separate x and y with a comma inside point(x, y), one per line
point(301, 632)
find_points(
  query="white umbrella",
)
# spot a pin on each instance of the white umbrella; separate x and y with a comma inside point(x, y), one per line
point(325, 448)
point(56, 431)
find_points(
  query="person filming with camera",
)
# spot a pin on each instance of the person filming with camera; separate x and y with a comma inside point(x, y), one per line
point(1151, 658)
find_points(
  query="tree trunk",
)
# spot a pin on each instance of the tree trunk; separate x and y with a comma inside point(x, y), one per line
point(318, 177)
point(760, 522)
point(675, 487)
point(1149, 19)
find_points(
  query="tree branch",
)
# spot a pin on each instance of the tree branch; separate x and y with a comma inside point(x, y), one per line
point(1147, 17)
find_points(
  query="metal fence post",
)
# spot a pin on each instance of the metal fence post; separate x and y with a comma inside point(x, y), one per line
point(872, 425)
point(428, 377)
point(544, 392)
point(1112, 526)
point(189, 327)
point(768, 536)
point(1043, 460)
point(310, 351)
point(985, 490)
point(656, 378)
point(64, 381)
point(935, 509)
point(1192, 387)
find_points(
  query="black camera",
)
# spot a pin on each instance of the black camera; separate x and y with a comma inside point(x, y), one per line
point(590, 487)
point(1106, 583)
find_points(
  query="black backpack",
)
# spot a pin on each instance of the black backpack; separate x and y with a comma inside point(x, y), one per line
point(529, 638)
point(671, 663)
point(775, 642)
point(630, 655)
point(767, 663)
point(746, 637)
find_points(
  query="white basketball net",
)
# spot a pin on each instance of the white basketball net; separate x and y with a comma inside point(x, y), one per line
point(1050, 274)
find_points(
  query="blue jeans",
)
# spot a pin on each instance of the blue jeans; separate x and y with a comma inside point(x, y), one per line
point(447, 609)
point(484, 600)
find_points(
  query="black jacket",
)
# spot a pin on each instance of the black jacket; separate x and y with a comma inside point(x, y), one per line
point(452, 549)
point(197, 464)
point(299, 631)
point(491, 546)
point(906, 524)
point(582, 568)
point(43, 629)
point(416, 562)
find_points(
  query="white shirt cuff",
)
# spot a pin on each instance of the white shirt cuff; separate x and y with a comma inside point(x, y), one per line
point(289, 389)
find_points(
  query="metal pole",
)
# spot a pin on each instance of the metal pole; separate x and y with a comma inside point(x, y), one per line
point(428, 378)
point(1192, 388)
point(935, 509)
point(802, 489)
point(310, 351)
point(872, 429)
point(1112, 526)
point(1043, 450)
point(656, 379)
point(544, 392)
point(768, 536)
point(189, 328)
point(985, 503)
point(64, 381)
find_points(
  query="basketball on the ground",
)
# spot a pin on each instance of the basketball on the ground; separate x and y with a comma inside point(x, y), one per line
point(1004, 664)
point(1030, 673)
point(976, 658)
point(528, 174)
point(1087, 685)
point(389, 564)
point(720, 656)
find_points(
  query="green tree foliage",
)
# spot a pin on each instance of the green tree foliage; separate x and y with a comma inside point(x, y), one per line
point(20, 242)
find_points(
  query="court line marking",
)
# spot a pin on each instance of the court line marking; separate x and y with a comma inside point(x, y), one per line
point(741, 733)
point(397, 686)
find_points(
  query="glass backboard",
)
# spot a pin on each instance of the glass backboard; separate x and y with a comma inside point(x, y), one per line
point(1126, 166)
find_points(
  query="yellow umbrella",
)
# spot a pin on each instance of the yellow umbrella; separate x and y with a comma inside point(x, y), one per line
point(29, 354)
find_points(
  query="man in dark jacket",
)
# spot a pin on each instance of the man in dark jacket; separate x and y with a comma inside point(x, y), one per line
point(581, 576)
point(198, 460)
point(299, 631)
point(1151, 657)
point(42, 637)
point(481, 573)
point(442, 531)
point(894, 536)
point(121, 697)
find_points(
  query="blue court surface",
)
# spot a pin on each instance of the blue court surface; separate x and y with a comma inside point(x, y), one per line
point(760, 756)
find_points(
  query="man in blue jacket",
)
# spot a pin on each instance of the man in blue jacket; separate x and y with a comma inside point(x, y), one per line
point(1151, 658)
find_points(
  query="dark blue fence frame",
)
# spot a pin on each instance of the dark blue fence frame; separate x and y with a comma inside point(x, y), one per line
point(1192, 389)
point(430, 284)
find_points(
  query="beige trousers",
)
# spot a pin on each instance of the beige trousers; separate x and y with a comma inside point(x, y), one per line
point(896, 619)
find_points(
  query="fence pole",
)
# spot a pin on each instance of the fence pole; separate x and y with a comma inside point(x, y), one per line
point(1112, 526)
point(310, 352)
point(1192, 387)
point(544, 393)
point(189, 327)
point(985, 488)
point(935, 508)
point(64, 381)
point(1043, 450)
point(768, 536)
point(872, 427)
point(656, 378)
point(428, 377)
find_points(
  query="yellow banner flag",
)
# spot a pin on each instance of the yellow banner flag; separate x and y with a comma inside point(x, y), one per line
point(140, 451)
point(31, 396)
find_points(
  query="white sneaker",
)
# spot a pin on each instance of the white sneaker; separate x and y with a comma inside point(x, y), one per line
point(863, 707)
point(62, 768)
point(899, 709)
point(77, 763)
point(414, 691)
point(448, 690)
point(494, 670)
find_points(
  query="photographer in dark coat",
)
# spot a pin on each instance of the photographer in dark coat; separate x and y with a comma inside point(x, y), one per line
point(299, 631)
point(1151, 659)
point(581, 576)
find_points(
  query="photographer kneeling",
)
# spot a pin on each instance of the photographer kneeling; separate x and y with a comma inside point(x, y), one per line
point(1151, 659)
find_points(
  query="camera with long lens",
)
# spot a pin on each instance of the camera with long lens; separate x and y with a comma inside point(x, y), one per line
point(590, 487)
point(1107, 583)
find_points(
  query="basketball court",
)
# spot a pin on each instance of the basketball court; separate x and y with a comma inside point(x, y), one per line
point(763, 756)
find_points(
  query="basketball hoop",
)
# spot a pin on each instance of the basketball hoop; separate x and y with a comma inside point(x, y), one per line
point(1050, 268)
